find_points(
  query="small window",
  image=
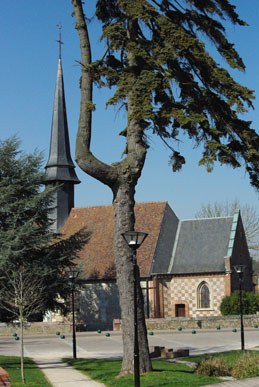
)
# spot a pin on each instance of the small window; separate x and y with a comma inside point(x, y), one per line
point(203, 296)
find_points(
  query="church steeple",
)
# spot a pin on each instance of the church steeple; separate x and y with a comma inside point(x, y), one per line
point(60, 168)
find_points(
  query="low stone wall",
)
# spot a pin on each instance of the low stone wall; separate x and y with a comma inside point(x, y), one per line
point(49, 328)
point(37, 328)
point(194, 323)
point(203, 322)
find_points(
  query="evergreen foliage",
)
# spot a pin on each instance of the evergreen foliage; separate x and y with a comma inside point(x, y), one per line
point(157, 63)
point(26, 240)
point(230, 305)
point(178, 87)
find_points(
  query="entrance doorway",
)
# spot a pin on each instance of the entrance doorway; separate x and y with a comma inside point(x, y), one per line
point(180, 310)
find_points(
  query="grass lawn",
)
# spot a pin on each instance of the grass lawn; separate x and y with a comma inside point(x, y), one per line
point(33, 375)
point(165, 374)
point(230, 357)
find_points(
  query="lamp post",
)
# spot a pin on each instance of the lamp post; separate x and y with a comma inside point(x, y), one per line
point(72, 275)
point(134, 240)
point(240, 271)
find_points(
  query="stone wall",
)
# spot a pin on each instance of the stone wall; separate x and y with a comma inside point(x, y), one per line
point(183, 290)
point(51, 328)
point(204, 322)
point(37, 328)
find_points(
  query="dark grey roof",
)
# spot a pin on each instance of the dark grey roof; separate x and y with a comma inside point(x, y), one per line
point(60, 166)
point(165, 242)
point(201, 246)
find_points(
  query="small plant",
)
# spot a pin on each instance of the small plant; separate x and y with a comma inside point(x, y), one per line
point(57, 333)
point(234, 330)
point(246, 367)
point(62, 337)
point(180, 328)
point(218, 327)
point(256, 326)
point(213, 367)
point(193, 331)
point(151, 333)
point(107, 334)
point(199, 324)
point(99, 331)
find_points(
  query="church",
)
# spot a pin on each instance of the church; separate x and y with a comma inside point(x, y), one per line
point(186, 266)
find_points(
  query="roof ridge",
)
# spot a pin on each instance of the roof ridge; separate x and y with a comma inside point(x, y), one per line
point(110, 205)
point(210, 217)
point(171, 263)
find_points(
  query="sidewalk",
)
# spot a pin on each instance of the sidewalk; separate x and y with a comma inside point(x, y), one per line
point(251, 382)
point(60, 374)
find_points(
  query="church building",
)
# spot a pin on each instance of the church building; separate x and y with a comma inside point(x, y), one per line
point(186, 266)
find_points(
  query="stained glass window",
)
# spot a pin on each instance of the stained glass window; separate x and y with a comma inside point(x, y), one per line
point(203, 296)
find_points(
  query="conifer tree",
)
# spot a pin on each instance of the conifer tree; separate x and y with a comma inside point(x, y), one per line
point(25, 237)
point(156, 60)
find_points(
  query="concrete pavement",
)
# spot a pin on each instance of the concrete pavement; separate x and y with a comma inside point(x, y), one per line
point(251, 382)
point(48, 351)
point(60, 374)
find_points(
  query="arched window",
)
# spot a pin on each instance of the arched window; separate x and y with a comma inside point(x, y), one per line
point(203, 296)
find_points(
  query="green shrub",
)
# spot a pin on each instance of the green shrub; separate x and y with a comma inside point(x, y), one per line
point(213, 366)
point(246, 367)
point(230, 305)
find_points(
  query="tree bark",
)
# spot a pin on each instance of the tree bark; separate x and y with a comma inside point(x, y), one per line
point(122, 178)
point(22, 345)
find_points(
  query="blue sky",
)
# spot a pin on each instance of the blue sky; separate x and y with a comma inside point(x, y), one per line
point(28, 67)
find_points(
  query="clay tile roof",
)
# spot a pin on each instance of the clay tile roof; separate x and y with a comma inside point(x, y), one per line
point(97, 256)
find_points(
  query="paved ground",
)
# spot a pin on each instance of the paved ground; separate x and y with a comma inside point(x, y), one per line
point(61, 374)
point(49, 350)
point(252, 382)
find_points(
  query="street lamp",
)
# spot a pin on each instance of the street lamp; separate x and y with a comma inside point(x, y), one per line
point(240, 271)
point(134, 240)
point(72, 275)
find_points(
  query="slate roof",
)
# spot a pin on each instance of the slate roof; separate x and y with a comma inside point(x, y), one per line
point(60, 166)
point(97, 256)
point(172, 247)
point(201, 246)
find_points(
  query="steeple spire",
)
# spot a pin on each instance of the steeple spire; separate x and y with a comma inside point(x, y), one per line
point(59, 26)
point(60, 168)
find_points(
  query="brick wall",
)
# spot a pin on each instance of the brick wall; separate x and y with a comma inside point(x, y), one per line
point(183, 290)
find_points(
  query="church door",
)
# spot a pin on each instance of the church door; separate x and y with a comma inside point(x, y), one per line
point(180, 310)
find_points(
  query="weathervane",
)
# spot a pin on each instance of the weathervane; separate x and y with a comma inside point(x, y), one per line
point(59, 26)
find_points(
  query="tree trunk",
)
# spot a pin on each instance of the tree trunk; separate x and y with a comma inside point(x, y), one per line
point(22, 347)
point(123, 205)
point(122, 178)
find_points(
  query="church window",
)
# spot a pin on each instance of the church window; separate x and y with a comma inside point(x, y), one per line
point(203, 296)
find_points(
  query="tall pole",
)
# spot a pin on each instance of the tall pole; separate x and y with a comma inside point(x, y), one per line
point(73, 321)
point(240, 271)
point(241, 313)
point(134, 239)
point(136, 346)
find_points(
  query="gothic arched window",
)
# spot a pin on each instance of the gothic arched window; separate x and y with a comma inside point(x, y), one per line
point(203, 296)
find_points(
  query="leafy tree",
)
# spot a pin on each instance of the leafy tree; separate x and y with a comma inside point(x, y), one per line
point(157, 63)
point(25, 236)
point(22, 295)
point(250, 218)
point(230, 305)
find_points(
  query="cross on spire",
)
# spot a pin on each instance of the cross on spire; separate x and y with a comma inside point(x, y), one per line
point(59, 26)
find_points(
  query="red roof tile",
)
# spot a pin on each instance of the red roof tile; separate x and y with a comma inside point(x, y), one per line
point(97, 256)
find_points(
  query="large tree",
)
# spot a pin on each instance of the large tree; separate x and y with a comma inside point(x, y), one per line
point(156, 61)
point(25, 236)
